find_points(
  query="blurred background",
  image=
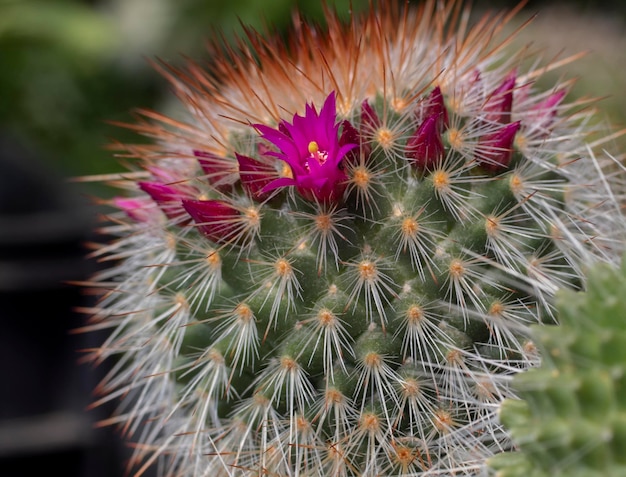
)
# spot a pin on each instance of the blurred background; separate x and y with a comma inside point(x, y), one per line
point(67, 68)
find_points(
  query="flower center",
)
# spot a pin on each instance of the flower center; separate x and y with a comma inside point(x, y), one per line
point(314, 153)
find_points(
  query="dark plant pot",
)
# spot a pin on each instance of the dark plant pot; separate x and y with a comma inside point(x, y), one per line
point(44, 424)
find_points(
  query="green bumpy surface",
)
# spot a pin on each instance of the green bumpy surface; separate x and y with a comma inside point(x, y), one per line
point(572, 420)
point(389, 318)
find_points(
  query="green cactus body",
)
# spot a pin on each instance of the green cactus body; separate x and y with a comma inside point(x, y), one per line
point(571, 421)
point(331, 267)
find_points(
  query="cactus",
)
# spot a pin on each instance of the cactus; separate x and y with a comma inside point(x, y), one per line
point(330, 266)
point(572, 419)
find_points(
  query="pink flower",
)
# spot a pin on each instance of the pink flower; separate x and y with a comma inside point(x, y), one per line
point(310, 146)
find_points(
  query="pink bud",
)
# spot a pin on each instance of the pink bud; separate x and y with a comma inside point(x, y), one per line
point(434, 106)
point(217, 220)
point(495, 149)
point(370, 121)
point(219, 170)
point(173, 177)
point(255, 175)
point(350, 135)
point(541, 116)
point(471, 92)
point(425, 146)
point(163, 175)
point(282, 127)
point(140, 209)
point(498, 106)
point(166, 196)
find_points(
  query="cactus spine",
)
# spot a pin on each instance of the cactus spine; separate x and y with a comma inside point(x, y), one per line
point(329, 268)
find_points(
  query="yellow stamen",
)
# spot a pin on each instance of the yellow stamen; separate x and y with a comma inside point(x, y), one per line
point(313, 147)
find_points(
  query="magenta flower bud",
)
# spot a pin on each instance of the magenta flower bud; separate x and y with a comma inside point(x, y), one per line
point(255, 176)
point(219, 170)
point(311, 148)
point(140, 209)
point(499, 104)
point(283, 129)
point(162, 175)
point(541, 116)
point(370, 121)
point(350, 135)
point(217, 220)
point(167, 197)
point(425, 147)
point(434, 106)
point(495, 149)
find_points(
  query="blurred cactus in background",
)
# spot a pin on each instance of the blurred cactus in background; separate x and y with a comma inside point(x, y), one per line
point(572, 420)
point(331, 265)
